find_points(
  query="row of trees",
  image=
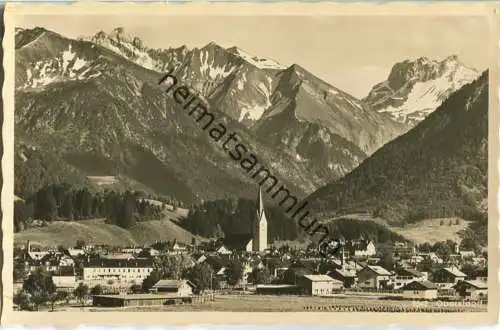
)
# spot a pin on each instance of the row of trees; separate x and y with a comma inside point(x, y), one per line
point(63, 202)
point(39, 289)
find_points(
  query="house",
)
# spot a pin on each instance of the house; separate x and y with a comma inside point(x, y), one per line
point(365, 249)
point(318, 285)
point(404, 249)
point(482, 275)
point(117, 271)
point(76, 252)
point(416, 259)
point(66, 261)
point(467, 254)
point(201, 259)
point(447, 275)
point(420, 290)
point(132, 250)
point(433, 257)
point(181, 288)
point(177, 247)
point(357, 249)
point(479, 261)
point(472, 290)
point(223, 250)
point(65, 279)
point(405, 276)
point(348, 278)
point(374, 277)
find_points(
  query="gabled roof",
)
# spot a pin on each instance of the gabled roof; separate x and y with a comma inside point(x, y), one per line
point(320, 278)
point(454, 271)
point(172, 284)
point(379, 270)
point(343, 272)
point(473, 283)
point(419, 285)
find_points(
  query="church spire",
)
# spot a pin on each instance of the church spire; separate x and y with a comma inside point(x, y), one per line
point(261, 213)
point(260, 206)
point(260, 226)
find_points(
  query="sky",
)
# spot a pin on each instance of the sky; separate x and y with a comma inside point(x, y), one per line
point(352, 53)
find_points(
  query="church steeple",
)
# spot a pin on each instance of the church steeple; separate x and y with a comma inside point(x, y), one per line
point(260, 226)
point(261, 215)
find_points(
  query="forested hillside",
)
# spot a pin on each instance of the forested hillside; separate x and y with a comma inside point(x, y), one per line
point(438, 169)
point(63, 202)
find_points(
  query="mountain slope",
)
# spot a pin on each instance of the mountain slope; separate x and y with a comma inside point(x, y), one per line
point(116, 121)
point(414, 89)
point(437, 169)
point(95, 104)
point(246, 88)
point(98, 232)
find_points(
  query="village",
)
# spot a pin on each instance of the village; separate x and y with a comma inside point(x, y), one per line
point(245, 269)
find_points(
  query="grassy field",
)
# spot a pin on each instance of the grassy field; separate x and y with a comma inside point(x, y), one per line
point(432, 231)
point(262, 303)
point(429, 230)
point(98, 232)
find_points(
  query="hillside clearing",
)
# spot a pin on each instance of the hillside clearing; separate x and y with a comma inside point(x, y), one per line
point(66, 233)
point(432, 231)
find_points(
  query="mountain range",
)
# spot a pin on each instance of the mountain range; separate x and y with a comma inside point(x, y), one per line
point(414, 148)
point(95, 105)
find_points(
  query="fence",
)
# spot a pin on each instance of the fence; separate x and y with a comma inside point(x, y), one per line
point(395, 309)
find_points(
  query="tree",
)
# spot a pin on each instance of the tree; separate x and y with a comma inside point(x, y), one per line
point(57, 296)
point(40, 287)
point(81, 292)
point(128, 211)
point(96, 290)
point(235, 271)
point(151, 280)
point(20, 271)
point(21, 299)
point(202, 275)
point(387, 261)
point(261, 276)
point(46, 204)
point(67, 207)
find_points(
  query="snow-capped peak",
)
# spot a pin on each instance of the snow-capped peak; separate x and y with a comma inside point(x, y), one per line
point(416, 88)
point(260, 62)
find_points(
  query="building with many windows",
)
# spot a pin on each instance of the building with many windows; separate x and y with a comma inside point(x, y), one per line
point(117, 271)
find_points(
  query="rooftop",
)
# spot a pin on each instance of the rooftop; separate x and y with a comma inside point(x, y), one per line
point(320, 278)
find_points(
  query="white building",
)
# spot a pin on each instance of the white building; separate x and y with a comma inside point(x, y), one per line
point(182, 288)
point(420, 290)
point(116, 271)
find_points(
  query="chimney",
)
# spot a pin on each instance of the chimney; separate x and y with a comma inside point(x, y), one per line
point(28, 246)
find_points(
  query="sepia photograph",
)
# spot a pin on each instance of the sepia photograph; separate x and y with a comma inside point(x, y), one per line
point(247, 163)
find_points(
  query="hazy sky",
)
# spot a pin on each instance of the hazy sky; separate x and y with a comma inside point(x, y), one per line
point(351, 52)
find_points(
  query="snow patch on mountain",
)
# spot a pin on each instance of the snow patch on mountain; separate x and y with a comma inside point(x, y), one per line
point(213, 71)
point(423, 86)
point(66, 66)
point(259, 62)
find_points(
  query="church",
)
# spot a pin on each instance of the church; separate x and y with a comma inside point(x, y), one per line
point(255, 241)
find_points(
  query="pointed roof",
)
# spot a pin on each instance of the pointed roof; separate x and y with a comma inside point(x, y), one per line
point(260, 207)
